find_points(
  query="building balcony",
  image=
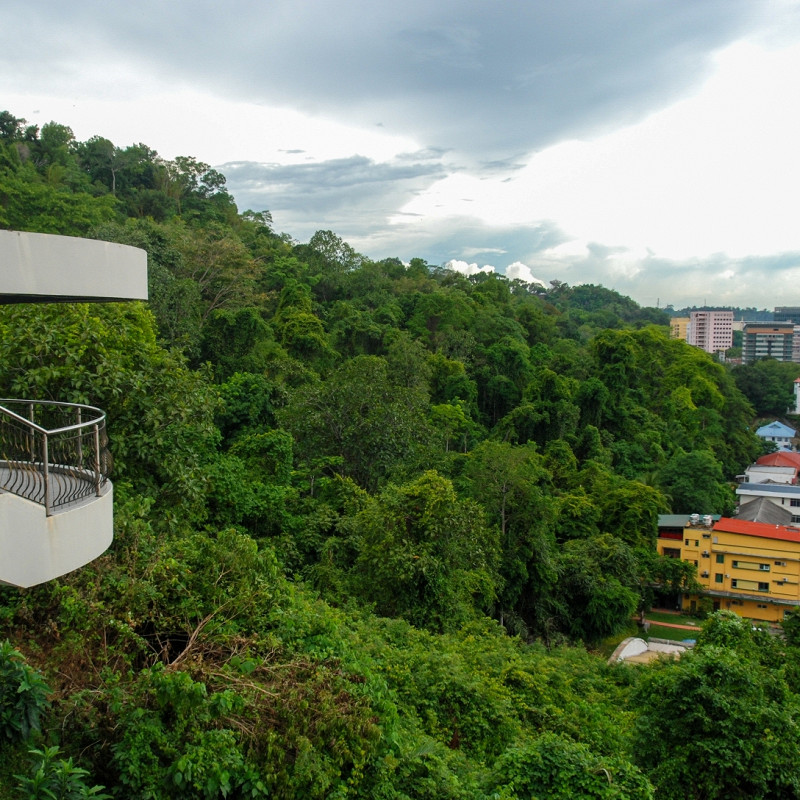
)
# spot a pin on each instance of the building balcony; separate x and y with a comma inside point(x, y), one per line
point(55, 496)
point(56, 510)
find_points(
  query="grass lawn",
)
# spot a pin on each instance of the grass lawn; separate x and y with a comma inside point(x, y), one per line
point(673, 634)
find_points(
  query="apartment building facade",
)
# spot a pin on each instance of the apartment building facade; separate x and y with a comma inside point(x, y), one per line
point(751, 568)
point(711, 330)
point(767, 340)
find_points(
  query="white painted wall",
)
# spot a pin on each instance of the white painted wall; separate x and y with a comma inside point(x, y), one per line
point(42, 265)
point(35, 548)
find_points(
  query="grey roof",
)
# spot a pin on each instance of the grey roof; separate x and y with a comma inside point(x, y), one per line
point(679, 520)
point(786, 489)
point(762, 509)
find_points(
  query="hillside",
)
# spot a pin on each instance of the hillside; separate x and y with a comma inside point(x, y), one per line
point(369, 517)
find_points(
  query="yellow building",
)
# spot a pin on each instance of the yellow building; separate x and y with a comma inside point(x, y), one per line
point(679, 327)
point(751, 568)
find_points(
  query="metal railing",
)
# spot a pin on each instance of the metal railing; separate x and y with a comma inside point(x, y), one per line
point(53, 453)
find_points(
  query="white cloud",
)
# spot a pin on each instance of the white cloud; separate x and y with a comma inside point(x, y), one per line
point(521, 271)
point(468, 269)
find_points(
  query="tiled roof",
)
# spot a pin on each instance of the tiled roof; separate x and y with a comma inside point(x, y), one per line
point(782, 458)
point(786, 533)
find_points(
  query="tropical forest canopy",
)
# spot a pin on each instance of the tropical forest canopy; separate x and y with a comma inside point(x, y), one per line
point(369, 515)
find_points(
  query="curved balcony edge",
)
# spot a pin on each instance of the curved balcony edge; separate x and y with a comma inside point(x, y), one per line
point(35, 548)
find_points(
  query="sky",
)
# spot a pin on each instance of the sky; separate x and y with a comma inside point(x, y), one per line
point(650, 146)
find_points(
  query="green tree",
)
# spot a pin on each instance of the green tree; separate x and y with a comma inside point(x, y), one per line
point(424, 554)
point(721, 708)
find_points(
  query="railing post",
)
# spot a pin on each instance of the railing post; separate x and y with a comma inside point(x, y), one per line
point(80, 439)
point(97, 460)
point(31, 435)
point(46, 474)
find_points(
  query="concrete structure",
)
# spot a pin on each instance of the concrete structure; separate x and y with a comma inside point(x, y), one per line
point(56, 502)
point(767, 340)
point(41, 267)
point(769, 473)
point(711, 330)
point(634, 650)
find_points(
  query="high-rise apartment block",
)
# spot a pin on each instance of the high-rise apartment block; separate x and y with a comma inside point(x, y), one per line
point(711, 330)
point(767, 340)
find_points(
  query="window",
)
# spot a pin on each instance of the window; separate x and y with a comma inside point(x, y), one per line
point(753, 586)
point(794, 502)
point(696, 564)
point(720, 558)
point(706, 535)
point(672, 552)
point(718, 577)
point(795, 518)
point(686, 542)
point(780, 563)
point(751, 565)
point(761, 605)
point(697, 543)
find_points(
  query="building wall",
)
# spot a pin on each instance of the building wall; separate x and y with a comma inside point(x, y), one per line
point(679, 328)
point(767, 340)
point(755, 576)
point(711, 330)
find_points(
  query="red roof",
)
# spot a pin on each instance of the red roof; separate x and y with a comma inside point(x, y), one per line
point(780, 459)
point(787, 533)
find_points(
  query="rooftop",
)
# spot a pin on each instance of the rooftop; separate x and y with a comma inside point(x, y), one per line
point(783, 458)
point(786, 533)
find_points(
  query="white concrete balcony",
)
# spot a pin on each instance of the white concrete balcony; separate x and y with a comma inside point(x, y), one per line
point(55, 496)
point(56, 501)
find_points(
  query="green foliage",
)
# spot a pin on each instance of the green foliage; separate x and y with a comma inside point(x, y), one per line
point(768, 384)
point(719, 706)
point(23, 695)
point(54, 778)
point(423, 554)
point(361, 415)
point(431, 447)
point(559, 769)
point(695, 483)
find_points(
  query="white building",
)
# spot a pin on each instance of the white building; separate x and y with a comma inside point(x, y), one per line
point(711, 330)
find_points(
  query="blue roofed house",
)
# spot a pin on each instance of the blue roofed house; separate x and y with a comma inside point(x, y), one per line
point(779, 433)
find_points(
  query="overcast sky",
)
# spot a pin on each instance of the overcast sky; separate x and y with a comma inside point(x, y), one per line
point(647, 145)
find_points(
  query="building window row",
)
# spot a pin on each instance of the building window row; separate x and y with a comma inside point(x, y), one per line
point(755, 586)
point(750, 565)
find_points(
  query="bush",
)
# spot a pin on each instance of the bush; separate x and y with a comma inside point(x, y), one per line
point(23, 695)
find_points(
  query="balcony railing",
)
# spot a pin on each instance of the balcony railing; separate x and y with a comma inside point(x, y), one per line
point(53, 453)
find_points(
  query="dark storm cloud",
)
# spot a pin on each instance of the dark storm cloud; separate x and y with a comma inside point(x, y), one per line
point(492, 80)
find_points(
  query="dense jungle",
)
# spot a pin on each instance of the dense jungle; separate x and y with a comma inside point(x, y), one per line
point(373, 521)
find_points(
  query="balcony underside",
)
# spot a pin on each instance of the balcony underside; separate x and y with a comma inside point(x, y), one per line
point(35, 548)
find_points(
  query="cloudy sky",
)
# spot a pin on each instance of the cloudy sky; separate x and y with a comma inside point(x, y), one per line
point(647, 145)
